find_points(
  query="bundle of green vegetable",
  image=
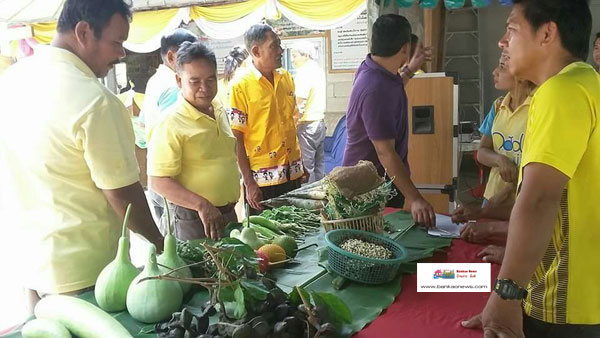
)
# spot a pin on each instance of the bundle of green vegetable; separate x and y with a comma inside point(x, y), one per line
point(306, 218)
point(114, 280)
point(288, 220)
point(371, 202)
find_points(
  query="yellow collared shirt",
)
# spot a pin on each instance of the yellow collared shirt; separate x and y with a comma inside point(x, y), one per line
point(197, 151)
point(63, 138)
point(264, 113)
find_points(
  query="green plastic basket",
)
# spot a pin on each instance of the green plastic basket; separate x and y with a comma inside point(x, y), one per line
point(362, 269)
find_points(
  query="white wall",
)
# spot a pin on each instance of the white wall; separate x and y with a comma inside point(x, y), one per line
point(492, 23)
point(338, 93)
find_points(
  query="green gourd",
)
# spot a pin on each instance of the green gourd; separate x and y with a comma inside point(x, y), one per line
point(170, 259)
point(248, 236)
point(115, 278)
point(235, 233)
point(81, 318)
point(44, 328)
point(153, 300)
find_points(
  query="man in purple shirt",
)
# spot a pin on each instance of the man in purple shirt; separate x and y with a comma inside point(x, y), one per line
point(377, 117)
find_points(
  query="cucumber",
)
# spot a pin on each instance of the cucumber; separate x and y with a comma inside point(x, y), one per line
point(44, 328)
point(265, 223)
point(80, 317)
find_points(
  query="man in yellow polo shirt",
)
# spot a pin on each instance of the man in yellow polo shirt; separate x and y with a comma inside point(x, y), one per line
point(548, 283)
point(263, 105)
point(67, 145)
point(191, 151)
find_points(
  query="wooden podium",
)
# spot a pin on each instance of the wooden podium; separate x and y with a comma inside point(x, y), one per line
point(433, 138)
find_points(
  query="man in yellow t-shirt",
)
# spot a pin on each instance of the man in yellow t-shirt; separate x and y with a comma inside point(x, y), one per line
point(69, 154)
point(548, 282)
point(309, 79)
point(263, 105)
point(191, 153)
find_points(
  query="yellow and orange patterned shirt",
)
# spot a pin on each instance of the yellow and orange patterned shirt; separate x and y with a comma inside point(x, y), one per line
point(264, 112)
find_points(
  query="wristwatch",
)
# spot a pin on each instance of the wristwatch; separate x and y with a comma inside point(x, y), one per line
point(408, 72)
point(509, 289)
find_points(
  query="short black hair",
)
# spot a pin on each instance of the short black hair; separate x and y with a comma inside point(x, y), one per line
point(191, 51)
point(257, 34)
point(173, 41)
point(95, 12)
point(572, 17)
point(390, 33)
point(597, 36)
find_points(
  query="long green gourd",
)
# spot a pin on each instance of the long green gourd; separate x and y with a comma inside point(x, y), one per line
point(169, 257)
point(154, 300)
point(81, 318)
point(114, 280)
point(46, 328)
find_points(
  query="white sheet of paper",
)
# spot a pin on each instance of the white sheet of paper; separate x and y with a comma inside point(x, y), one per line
point(445, 228)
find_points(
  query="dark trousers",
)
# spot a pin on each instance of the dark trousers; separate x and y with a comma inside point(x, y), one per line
point(277, 190)
point(396, 201)
point(187, 224)
point(534, 328)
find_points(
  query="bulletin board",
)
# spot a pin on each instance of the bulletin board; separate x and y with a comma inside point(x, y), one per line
point(348, 45)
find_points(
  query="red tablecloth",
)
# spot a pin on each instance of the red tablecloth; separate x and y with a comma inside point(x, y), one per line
point(432, 315)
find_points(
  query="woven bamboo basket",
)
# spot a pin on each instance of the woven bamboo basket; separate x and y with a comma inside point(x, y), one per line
point(371, 223)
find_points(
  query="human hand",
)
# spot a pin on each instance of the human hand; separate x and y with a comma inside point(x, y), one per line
point(472, 323)
point(502, 318)
point(305, 176)
point(476, 232)
point(213, 221)
point(421, 55)
point(254, 195)
point(508, 170)
point(466, 213)
point(492, 254)
point(422, 212)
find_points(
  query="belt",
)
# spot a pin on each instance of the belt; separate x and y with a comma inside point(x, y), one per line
point(226, 208)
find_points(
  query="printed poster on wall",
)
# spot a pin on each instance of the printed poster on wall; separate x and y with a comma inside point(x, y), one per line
point(221, 48)
point(349, 44)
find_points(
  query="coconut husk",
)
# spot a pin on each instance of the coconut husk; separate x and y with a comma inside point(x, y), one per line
point(355, 180)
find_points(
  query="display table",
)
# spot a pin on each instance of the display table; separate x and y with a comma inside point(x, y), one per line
point(408, 313)
point(432, 315)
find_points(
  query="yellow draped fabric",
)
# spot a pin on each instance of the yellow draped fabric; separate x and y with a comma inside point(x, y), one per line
point(44, 32)
point(321, 10)
point(225, 13)
point(146, 25)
